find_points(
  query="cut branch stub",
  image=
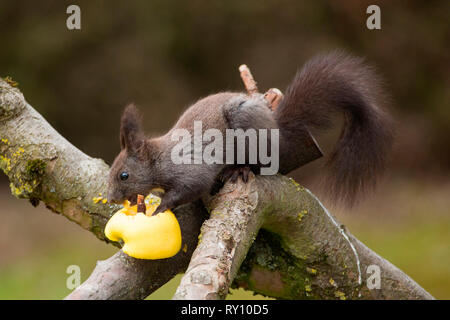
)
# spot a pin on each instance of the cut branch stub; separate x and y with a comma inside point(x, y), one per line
point(247, 78)
point(273, 96)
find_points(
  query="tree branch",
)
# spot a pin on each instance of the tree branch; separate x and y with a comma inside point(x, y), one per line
point(224, 241)
point(301, 251)
point(43, 166)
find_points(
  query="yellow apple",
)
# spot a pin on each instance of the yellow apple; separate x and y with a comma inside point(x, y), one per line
point(145, 236)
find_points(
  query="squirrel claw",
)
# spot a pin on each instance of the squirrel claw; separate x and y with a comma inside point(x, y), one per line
point(161, 208)
point(233, 173)
point(158, 210)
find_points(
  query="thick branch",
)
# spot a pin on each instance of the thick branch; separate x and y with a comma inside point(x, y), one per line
point(303, 251)
point(43, 166)
point(224, 242)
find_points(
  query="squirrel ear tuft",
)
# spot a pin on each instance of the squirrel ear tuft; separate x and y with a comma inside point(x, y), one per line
point(131, 136)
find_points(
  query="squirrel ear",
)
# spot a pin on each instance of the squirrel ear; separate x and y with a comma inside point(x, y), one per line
point(131, 136)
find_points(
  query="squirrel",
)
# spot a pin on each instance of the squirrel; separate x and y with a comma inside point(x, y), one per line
point(327, 84)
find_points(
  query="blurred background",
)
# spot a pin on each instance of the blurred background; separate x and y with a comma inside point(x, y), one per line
point(164, 55)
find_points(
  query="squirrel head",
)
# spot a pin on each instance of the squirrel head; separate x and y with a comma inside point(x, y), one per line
point(130, 173)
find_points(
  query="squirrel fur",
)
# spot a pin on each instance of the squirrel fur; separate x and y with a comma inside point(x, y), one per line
point(326, 85)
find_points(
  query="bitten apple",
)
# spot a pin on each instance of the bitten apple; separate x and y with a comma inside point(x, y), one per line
point(145, 236)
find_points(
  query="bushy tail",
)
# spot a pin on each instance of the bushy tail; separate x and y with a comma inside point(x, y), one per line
point(332, 83)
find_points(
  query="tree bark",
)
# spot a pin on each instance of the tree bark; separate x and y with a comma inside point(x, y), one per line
point(270, 235)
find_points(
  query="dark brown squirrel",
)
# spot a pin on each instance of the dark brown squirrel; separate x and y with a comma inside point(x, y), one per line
point(327, 84)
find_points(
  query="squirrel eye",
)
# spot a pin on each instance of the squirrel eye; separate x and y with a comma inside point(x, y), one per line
point(124, 176)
